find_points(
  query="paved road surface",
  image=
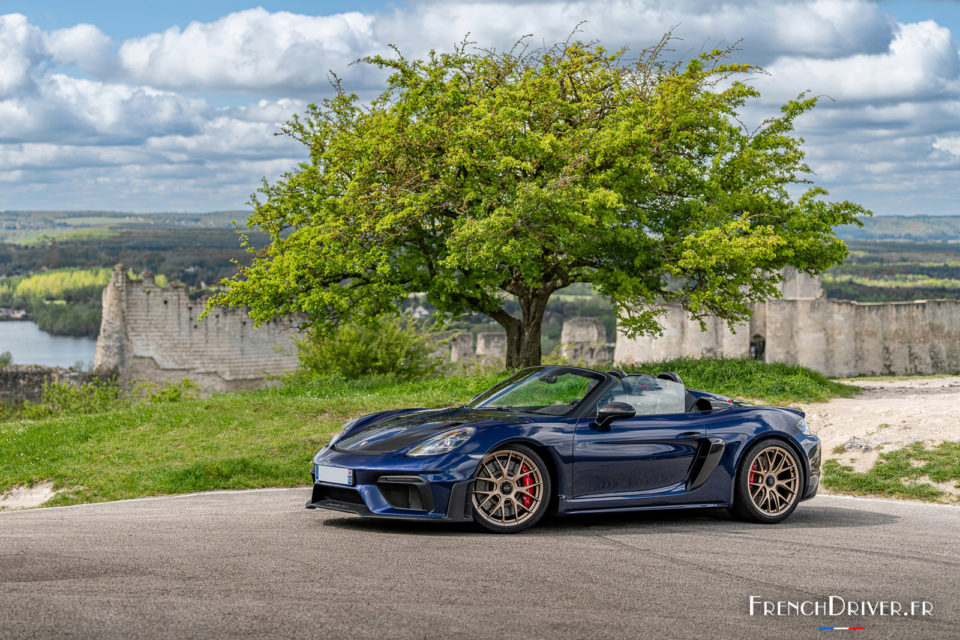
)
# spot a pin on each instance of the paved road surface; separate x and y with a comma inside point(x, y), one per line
point(256, 564)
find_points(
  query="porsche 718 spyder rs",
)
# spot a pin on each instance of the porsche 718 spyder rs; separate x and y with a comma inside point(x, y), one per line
point(570, 440)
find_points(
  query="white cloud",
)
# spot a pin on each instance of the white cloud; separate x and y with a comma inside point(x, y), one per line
point(75, 109)
point(281, 52)
point(83, 45)
point(949, 145)
point(921, 63)
point(141, 129)
point(249, 50)
point(21, 47)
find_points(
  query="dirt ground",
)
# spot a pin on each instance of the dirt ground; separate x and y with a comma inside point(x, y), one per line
point(888, 415)
point(27, 497)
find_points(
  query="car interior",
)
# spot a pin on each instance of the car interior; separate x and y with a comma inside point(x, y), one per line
point(662, 394)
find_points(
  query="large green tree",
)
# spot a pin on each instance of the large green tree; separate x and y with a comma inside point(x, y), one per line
point(479, 175)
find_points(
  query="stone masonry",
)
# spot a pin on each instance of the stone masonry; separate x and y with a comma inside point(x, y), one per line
point(584, 340)
point(835, 337)
point(153, 333)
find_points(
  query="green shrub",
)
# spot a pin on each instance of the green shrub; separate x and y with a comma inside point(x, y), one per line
point(6, 358)
point(168, 391)
point(96, 396)
point(394, 346)
point(61, 398)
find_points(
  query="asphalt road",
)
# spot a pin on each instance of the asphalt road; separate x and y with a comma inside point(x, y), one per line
point(257, 564)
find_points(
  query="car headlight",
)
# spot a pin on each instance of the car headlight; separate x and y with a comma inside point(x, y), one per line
point(335, 438)
point(804, 427)
point(442, 442)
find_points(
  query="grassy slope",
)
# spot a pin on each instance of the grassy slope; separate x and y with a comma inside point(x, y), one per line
point(231, 440)
point(266, 438)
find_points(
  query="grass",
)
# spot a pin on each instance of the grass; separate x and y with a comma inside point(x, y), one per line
point(903, 473)
point(227, 441)
point(267, 438)
point(747, 378)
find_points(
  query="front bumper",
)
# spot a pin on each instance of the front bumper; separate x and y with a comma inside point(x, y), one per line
point(397, 487)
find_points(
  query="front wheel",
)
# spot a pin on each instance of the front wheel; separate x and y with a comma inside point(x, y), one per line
point(768, 483)
point(511, 490)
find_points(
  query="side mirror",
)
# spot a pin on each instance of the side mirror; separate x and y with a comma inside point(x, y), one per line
point(614, 411)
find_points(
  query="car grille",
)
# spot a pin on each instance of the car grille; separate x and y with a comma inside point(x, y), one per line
point(399, 496)
point(339, 494)
point(412, 496)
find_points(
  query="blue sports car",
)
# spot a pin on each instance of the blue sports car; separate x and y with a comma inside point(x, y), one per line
point(570, 440)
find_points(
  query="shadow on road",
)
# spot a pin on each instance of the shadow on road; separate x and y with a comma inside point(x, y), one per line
point(676, 521)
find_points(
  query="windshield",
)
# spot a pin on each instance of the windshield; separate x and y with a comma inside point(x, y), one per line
point(554, 391)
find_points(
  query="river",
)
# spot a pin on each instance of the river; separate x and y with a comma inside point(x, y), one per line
point(29, 345)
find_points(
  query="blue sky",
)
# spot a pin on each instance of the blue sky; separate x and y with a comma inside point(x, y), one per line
point(172, 106)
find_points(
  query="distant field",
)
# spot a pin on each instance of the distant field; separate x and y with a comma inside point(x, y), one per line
point(905, 228)
point(22, 227)
point(896, 271)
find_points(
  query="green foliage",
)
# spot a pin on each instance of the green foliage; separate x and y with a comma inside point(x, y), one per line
point(900, 473)
point(166, 391)
point(750, 379)
point(385, 346)
point(479, 174)
point(6, 358)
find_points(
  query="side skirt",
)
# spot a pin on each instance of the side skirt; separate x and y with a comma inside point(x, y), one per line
point(661, 507)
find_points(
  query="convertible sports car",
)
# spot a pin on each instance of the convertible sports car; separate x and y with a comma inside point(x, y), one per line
point(570, 440)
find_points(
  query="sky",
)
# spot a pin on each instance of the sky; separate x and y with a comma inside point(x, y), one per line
point(173, 106)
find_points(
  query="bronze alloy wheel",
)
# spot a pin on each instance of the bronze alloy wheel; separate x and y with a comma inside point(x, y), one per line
point(774, 481)
point(509, 490)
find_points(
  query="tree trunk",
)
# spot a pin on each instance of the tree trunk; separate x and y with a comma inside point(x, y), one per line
point(523, 334)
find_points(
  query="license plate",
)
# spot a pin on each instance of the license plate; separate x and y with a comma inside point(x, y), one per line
point(334, 475)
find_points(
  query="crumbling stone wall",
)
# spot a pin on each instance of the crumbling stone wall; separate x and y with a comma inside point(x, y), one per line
point(835, 337)
point(153, 333)
point(584, 340)
point(683, 338)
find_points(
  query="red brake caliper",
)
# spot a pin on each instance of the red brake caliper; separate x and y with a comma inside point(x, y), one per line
point(526, 482)
point(753, 476)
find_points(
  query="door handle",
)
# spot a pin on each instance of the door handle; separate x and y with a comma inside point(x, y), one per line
point(688, 434)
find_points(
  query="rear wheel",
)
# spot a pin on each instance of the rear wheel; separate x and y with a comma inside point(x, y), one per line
point(768, 483)
point(511, 490)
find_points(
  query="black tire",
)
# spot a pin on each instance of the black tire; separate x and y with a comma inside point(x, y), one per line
point(511, 491)
point(762, 493)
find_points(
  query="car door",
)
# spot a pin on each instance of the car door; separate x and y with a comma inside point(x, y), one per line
point(647, 454)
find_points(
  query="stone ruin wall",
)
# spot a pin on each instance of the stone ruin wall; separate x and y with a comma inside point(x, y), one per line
point(835, 337)
point(583, 341)
point(152, 333)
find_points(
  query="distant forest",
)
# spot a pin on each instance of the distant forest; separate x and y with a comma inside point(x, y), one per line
point(54, 264)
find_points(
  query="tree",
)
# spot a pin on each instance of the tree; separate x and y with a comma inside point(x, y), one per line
point(479, 175)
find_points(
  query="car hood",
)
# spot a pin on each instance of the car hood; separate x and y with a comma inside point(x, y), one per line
point(393, 432)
